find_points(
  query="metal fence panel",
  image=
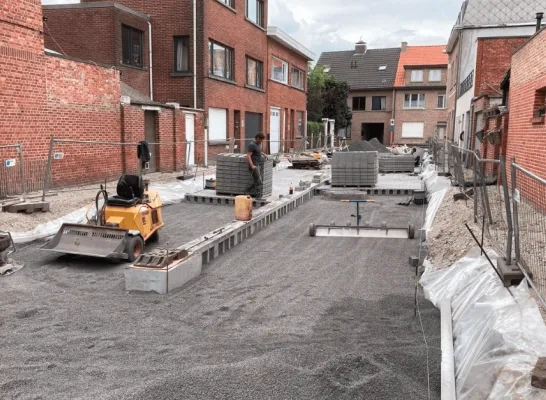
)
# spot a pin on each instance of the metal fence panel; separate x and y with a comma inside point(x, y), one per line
point(529, 204)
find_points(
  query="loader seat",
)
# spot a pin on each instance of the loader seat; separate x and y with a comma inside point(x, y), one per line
point(130, 190)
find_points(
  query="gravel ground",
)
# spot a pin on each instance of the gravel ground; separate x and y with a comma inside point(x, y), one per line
point(65, 201)
point(283, 316)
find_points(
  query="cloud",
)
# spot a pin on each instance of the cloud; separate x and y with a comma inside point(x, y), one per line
point(329, 25)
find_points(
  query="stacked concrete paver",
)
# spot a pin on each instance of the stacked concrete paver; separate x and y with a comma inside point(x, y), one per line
point(355, 168)
point(396, 163)
point(233, 176)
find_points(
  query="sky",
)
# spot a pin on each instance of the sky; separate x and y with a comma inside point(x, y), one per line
point(329, 25)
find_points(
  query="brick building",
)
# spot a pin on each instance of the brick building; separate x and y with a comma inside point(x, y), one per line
point(488, 120)
point(527, 104)
point(479, 19)
point(215, 57)
point(46, 95)
point(405, 85)
point(420, 94)
point(370, 74)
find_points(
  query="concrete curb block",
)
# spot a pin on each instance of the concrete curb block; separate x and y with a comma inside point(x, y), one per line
point(448, 361)
point(205, 249)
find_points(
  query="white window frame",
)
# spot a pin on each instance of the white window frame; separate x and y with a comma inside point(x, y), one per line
point(438, 98)
point(438, 72)
point(217, 128)
point(284, 68)
point(421, 98)
point(419, 73)
point(413, 127)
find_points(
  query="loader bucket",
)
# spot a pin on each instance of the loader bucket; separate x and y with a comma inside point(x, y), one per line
point(89, 240)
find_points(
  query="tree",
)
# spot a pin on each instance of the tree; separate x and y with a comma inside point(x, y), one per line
point(327, 98)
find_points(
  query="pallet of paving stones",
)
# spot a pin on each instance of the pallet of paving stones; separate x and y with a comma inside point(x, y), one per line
point(396, 163)
point(233, 176)
point(355, 169)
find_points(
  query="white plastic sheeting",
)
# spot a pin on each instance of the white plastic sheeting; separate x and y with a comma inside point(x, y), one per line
point(433, 182)
point(497, 339)
point(434, 203)
point(170, 193)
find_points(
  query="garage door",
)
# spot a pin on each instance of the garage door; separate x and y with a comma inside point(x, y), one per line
point(413, 129)
point(217, 124)
point(253, 125)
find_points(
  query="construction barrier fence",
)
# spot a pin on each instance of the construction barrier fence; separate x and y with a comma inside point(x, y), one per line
point(19, 174)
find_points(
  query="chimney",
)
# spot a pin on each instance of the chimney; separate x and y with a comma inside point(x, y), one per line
point(540, 15)
point(361, 47)
point(404, 47)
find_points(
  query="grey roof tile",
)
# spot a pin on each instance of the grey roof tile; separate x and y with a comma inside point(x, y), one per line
point(366, 75)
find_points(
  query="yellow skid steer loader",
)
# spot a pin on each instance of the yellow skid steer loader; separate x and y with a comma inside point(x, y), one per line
point(121, 226)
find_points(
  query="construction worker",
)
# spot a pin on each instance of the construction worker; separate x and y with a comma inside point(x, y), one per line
point(256, 159)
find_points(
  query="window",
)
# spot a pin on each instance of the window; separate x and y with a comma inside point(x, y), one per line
point(383, 68)
point(441, 101)
point(435, 75)
point(417, 76)
point(228, 2)
point(217, 124)
point(414, 101)
point(132, 46)
point(221, 61)
point(413, 129)
point(359, 103)
point(255, 11)
point(298, 78)
point(279, 71)
point(379, 103)
point(254, 73)
point(181, 54)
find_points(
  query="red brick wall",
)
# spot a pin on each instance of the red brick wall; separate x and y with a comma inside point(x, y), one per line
point(431, 116)
point(285, 96)
point(526, 140)
point(247, 39)
point(169, 19)
point(368, 116)
point(492, 61)
point(96, 34)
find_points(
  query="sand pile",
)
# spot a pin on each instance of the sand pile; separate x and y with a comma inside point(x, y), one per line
point(378, 146)
point(361, 146)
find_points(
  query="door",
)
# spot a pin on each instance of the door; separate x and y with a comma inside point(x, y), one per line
point(190, 139)
point(150, 137)
point(253, 125)
point(275, 130)
point(441, 132)
point(237, 130)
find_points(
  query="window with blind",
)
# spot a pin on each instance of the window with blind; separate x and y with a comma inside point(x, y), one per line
point(221, 60)
point(181, 54)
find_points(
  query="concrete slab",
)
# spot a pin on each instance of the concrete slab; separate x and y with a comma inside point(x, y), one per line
point(210, 197)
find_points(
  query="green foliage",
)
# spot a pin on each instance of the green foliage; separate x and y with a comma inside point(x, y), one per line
point(314, 128)
point(327, 98)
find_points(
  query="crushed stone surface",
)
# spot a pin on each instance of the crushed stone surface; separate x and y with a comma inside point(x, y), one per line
point(449, 239)
point(361, 146)
point(65, 201)
point(282, 316)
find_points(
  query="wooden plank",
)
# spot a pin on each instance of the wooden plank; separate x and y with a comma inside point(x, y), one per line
point(27, 207)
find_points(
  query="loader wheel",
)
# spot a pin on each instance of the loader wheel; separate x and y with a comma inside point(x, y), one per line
point(411, 232)
point(312, 230)
point(135, 247)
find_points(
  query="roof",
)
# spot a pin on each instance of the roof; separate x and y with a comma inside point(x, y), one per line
point(98, 4)
point(138, 97)
point(495, 13)
point(366, 74)
point(420, 56)
point(289, 42)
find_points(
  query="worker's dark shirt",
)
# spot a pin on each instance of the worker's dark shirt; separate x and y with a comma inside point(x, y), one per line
point(256, 150)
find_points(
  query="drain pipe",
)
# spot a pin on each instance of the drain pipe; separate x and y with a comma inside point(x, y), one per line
point(151, 64)
point(539, 17)
point(194, 53)
point(448, 360)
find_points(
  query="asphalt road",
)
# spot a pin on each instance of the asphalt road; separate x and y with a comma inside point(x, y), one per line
point(282, 316)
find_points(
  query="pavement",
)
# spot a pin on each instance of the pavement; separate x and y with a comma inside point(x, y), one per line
point(282, 316)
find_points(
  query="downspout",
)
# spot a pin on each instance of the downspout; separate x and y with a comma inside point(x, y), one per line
point(194, 53)
point(391, 134)
point(150, 61)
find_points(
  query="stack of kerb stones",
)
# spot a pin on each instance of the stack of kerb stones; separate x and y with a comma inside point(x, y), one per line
point(355, 168)
point(233, 176)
